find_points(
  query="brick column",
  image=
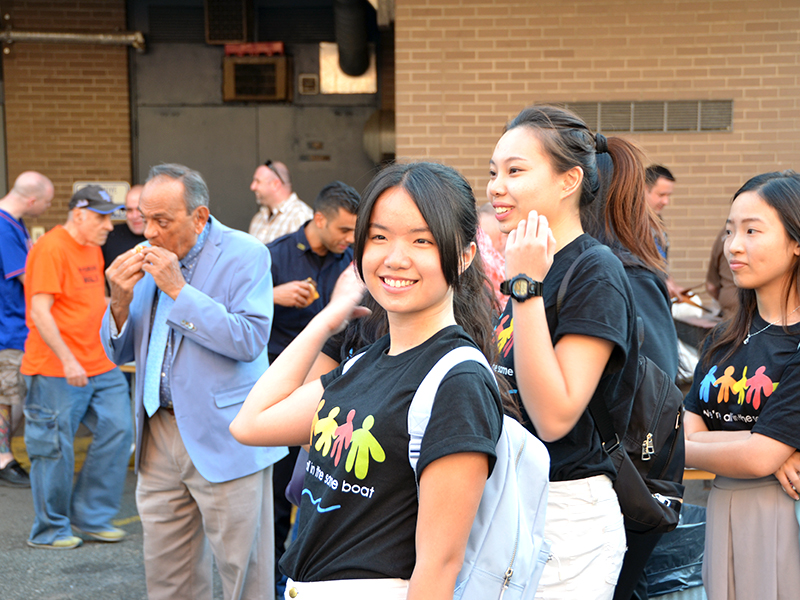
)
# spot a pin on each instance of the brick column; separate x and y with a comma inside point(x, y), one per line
point(67, 105)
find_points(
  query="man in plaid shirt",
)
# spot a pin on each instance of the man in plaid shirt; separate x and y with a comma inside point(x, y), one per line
point(281, 210)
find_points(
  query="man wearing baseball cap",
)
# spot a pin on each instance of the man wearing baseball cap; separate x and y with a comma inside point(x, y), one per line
point(71, 380)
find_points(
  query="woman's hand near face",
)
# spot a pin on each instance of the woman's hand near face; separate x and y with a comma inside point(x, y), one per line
point(345, 301)
point(530, 248)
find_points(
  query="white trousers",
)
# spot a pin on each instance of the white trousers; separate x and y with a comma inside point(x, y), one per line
point(585, 525)
point(348, 589)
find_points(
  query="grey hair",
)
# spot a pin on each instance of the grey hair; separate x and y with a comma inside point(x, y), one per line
point(195, 190)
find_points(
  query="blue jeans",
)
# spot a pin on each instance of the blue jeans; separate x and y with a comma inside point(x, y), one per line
point(53, 411)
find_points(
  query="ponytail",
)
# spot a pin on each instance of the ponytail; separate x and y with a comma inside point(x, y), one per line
point(627, 216)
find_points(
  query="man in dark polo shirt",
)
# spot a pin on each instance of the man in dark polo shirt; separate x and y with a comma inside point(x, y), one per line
point(306, 263)
point(305, 267)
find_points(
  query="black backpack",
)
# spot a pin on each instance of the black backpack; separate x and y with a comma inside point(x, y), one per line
point(650, 456)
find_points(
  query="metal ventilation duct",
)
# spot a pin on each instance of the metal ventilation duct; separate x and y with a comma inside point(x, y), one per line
point(350, 19)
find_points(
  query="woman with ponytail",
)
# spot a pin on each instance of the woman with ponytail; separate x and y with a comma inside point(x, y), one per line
point(614, 216)
point(366, 530)
point(543, 175)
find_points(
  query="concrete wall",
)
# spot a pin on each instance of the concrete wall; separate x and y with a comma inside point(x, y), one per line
point(67, 105)
point(464, 67)
point(180, 117)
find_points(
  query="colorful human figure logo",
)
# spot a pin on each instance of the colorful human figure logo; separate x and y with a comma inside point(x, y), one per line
point(361, 445)
point(757, 384)
point(344, 434)
point(364, 447)
point(505, 335)
point(725, 383)
point(740, 387)
point(326, 428)
point(707, 383)
point(752, 390)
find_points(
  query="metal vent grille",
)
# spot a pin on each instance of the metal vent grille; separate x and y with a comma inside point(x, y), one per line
point(643, 117)
point(175, 24)
point(682, 116)
point(716, 115)
point(296, 25)
point(259, 78)
point(255, 80)
point(615, 116)
point(648, 116)
point(226, 21)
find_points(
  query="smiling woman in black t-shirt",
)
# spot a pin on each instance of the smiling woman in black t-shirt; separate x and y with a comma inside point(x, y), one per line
point(543, 174)
point(743, 411)
point(364, 531)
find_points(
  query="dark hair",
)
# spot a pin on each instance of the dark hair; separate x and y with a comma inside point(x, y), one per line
point(195, 190)
point(654, 172)
point(781, 191)
point(569, 143)
point(446, 202)
point(334, 196)
point(597, 220)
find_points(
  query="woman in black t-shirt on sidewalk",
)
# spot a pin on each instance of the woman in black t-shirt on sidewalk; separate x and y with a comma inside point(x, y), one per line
point(364, 532)
point(543, 174)
point(743, 411)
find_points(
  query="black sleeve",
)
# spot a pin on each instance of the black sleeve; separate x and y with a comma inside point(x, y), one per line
point(333, 347)
point(467, 416)
point(597, 304)
point(780, 418)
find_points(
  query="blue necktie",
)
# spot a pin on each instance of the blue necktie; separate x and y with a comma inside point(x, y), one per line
point(155, 355)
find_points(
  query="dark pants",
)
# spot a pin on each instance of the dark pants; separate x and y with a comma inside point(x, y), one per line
point(632, 583)
point(281, 475)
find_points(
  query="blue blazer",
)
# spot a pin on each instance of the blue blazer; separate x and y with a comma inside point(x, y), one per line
point(222, 323)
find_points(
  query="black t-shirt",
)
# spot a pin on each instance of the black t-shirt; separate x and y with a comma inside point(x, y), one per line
point(757, 388)
point(652, 303)
point(120, 240)
point(358, 514)
point(597, 303)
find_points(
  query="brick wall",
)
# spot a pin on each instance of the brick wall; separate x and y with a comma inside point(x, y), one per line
point(465, 67)
point(67, 105)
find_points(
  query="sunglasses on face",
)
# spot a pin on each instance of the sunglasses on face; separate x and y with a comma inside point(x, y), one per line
point(270, 166)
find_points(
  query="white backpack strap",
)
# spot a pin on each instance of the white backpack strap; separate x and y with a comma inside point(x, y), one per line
point(419, 413)
point(350, 362)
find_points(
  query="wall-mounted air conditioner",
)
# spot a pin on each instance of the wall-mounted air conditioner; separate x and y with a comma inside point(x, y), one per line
point(264, 78)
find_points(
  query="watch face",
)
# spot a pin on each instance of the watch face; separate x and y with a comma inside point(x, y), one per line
point(519, 288)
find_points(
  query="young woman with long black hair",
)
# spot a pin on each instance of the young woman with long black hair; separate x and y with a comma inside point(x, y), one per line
point(743, 410)
point(543, 174)
point(364, 532)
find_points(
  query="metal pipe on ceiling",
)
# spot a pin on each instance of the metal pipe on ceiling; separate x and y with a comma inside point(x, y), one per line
point(127, 38)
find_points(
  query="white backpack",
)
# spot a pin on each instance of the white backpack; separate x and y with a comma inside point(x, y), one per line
point(506, 551)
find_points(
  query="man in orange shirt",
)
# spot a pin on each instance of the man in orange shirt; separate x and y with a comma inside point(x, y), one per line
point(71, 380)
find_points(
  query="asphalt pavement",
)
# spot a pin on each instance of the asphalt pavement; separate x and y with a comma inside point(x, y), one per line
point(95, 570)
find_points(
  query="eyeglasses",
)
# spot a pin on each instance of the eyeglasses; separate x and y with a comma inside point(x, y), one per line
point(268, 164)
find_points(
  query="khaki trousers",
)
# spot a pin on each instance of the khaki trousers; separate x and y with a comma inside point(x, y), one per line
point(186, 519)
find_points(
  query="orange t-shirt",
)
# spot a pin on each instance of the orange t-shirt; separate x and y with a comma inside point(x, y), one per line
point(73, 274)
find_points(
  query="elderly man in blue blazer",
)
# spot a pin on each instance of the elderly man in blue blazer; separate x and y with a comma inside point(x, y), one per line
point(193, 308)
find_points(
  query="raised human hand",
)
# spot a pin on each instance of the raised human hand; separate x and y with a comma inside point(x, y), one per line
point(165, 268)
point(530, 248)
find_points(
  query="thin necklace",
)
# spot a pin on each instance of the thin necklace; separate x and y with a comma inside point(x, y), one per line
point(749, 335)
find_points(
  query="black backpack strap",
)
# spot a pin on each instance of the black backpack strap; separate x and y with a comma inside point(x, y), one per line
point(562, 289)
point(597, 406)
